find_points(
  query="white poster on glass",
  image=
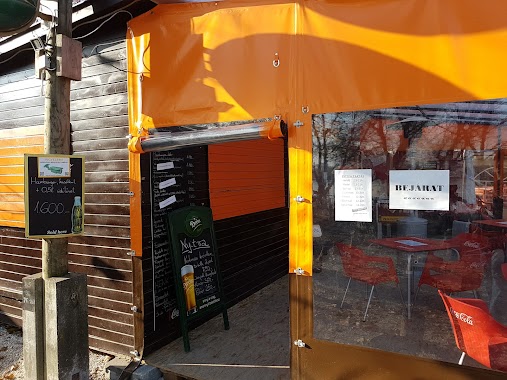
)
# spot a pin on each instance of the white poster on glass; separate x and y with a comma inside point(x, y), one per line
point(419, 189)
point(353, 195)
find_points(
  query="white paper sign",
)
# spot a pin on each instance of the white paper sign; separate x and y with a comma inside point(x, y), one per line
point(353, 195)
point(167, 183)
point(165, 165)
point(419, 189)
point(167, 202)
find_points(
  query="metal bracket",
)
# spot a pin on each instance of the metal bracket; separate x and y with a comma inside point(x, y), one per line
point(134, 353)
point(298, 123)
point(299, 199)
point(299, 343)
point(276, 61)
point(135, 309)
point(131, 193)
point(299, 271)
point(131, 253)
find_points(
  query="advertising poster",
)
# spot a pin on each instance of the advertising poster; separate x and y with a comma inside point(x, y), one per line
point(195, 257)
point(197, 275)
point(419, 190)
point(353, 202)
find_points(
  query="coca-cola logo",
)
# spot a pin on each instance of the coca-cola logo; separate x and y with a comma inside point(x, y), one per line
point(472, 244)
point(463, 317)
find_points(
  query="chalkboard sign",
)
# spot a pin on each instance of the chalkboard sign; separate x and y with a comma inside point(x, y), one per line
point(54, 195)
point(178, 178)
point(196, 270)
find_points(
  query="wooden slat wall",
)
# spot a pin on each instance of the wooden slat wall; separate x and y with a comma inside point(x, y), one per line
point(246, 177)
point(99, 127)
point(19, 257)
point(21, 104)
point(21, 131)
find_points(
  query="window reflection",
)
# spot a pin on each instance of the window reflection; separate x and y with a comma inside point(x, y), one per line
point(411, 199)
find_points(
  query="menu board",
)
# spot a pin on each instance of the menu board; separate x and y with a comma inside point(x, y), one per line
point(195, 258)
point(353, 195)
point(54, 190)
point(178, 178)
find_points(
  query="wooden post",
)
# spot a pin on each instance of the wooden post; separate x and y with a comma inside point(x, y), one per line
point(57, 303)
point(57, 136)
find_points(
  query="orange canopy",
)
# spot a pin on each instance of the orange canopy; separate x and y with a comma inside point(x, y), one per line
point(241, 60)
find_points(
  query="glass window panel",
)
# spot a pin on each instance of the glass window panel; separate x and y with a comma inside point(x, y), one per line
point(408, 201)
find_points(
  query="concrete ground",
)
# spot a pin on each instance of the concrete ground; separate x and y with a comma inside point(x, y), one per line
point(256, 346)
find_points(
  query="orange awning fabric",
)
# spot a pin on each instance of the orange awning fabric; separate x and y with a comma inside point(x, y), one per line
point(194, 63)
point(209, 62)
point(240, 60)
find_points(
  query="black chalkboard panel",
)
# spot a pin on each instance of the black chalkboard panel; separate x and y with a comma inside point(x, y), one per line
point(197, 275)
point(178, 178)
point(54, 191)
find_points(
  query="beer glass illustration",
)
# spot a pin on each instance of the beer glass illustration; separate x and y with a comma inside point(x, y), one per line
point(187, 277)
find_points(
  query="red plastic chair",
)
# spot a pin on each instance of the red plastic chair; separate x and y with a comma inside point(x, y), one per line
point(496, 239)
point(372, 270)
point(465, 274)
point(476, 333)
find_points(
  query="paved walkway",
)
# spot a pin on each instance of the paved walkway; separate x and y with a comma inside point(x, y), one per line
point(256, 346)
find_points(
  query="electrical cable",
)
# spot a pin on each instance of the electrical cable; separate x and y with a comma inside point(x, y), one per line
point(101, 17)
point(103, 22)
point(110, 63)
point(101, 44)
point(8, 59)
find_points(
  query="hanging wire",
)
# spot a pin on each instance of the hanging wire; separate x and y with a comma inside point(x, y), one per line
point(101, 17)
point(99, 45)
point(103, 22)
point(8, 59)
